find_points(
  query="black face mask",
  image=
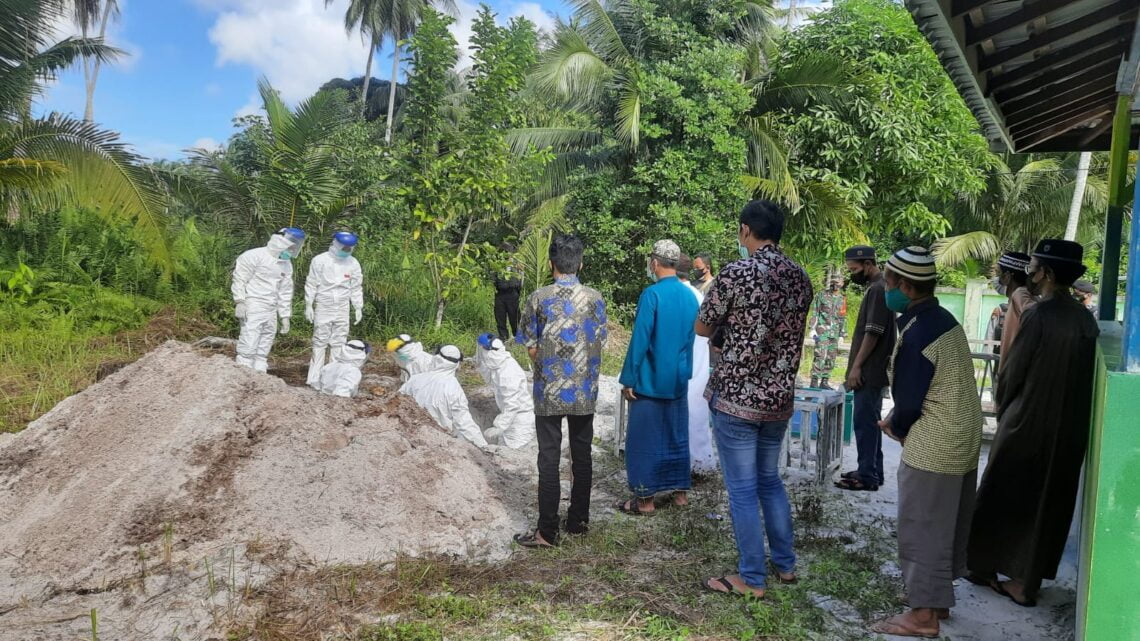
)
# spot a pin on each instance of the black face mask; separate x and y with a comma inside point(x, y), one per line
point(859, 278)
point(699, 274)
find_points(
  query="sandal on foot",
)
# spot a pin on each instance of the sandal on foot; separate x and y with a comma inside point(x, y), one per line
point(886, 626)
point(780, 575)
point(853, 474)
point(630, 507)
point(855, 485)
point(997, 587)
point(532, 541)
point(726, 587)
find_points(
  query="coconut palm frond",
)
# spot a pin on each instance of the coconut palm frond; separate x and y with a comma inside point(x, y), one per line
point(629, 116)
point(600, 28)
point(30, 174)
point(557, 139)
point(818, 79)
point(954, 251)
point(572, 70)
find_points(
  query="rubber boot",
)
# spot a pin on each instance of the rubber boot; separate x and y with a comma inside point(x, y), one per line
point(814, 383)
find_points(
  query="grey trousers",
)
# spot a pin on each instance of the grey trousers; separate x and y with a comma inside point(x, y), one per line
point(934, 526)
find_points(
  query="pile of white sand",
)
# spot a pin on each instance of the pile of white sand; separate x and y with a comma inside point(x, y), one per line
point(158, 493)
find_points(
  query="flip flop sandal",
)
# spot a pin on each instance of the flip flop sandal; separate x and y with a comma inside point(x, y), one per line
point(780, 575)
point(855, 485)
point(996, 586)
point(531, 541)
point(883, 627)
point(630, 507)
point(853, 474)
point(729, 588)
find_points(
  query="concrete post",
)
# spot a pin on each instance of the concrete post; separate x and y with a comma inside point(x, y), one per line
point(971, 314)
point(1114, 220)
point(1131, 357)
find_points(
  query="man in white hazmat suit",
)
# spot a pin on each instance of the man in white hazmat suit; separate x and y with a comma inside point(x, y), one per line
point(262, 288)
point(342, 376)
point(514, 426)
point(335, 282)
point(702, 460)
point(438, 391)
point(410, 356)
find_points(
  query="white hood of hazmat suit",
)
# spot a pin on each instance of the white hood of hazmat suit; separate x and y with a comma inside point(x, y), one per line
point(437, 390)
point(342, 376)
point(514, 426)
point(412, 360)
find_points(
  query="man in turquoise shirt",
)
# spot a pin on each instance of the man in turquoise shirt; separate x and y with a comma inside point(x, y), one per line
point(655, 378)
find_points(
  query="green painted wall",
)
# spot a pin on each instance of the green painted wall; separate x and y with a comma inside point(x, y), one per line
point(1109, 582)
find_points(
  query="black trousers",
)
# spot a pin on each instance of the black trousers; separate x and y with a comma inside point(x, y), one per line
point(507, 313)
point(549, 430)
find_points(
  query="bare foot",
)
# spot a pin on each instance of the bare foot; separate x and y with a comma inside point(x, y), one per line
point(680, 499)
point(920, 622)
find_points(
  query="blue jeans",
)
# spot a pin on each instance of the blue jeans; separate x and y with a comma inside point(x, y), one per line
point(868, 409)
point(749, 459)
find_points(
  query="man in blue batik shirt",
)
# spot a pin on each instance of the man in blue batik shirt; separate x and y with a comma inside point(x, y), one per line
point(564, 329)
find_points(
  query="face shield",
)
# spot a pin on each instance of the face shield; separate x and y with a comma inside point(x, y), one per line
point(296, 239)
point(343, 244)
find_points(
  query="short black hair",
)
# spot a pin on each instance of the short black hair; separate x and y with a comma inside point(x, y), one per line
point(566, 253)
point(921, 287)
point(706, 258)
point(1018, 275)
point(685, 264)
point(764, 218)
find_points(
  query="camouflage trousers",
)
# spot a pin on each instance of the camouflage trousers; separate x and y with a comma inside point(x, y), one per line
point(823, 357)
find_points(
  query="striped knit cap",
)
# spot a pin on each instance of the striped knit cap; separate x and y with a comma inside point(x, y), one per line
point(1014, 261)
point(914, 263)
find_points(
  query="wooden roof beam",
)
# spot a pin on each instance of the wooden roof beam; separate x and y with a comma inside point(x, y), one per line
point(1087, 21)
point(1025, 144)
point(958, 7)
point(1080, 89)
point(1028, 13)
point(1088, 64)
point(1040, 121)
point(1116, 36)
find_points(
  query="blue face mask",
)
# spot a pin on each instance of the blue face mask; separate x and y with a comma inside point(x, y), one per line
point(744, 253)
point(285, 256)
point(340, 253)
point(896, 300)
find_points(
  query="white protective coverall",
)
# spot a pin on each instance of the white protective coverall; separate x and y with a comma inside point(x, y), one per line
point(412, 360)
point(514, 426)
point(438, 391)
point(333, 284)
point(342, 376)
point(263, 287)
point(701, 456)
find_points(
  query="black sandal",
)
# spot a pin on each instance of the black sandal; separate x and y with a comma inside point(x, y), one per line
point(855, 485)
point(531, 541)
point(630, 507)
point(729, 588)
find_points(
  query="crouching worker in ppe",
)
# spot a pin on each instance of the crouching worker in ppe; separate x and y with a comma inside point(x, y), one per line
point(514, 426)
point(342, 376)
point(335, 283)
point(262, 288)
point(410, 356)
point(438, 391)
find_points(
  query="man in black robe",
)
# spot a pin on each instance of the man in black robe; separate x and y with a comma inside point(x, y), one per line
point(1025, 503)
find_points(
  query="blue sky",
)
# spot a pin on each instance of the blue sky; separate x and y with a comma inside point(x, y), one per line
point(194, 64)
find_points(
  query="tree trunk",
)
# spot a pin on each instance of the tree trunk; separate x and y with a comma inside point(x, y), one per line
point(93, 78)
point(439, 312)
point(791, 13)
point(1078, 196)
point(367, 78)
point(392, 93)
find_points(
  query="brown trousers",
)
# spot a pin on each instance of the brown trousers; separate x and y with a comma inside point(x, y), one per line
point(934, 526)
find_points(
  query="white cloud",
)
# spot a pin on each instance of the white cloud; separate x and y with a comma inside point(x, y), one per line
point(535, 13)
point(207, 144)
point(297, 44)
point(252, 107)
point(158, 149)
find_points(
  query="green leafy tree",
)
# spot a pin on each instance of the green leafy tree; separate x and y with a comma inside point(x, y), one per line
point(902, 138)
point(55, 160)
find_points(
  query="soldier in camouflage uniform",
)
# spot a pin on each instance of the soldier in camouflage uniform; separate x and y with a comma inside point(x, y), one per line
point(826, 327)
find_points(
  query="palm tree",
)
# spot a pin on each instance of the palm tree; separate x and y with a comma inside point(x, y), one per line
point(295, 183)
point(363, 15)
point(49, 161)
point(88, 14)
point(1026, 199)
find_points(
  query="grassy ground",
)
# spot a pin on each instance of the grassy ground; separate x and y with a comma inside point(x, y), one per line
point(629, 578)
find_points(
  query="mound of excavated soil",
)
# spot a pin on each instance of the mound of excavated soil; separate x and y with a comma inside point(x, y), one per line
point(181, 457)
